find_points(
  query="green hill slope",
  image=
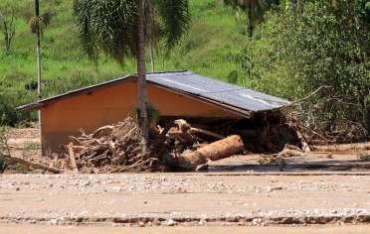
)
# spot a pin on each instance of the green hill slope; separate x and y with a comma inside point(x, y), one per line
point(209, 48)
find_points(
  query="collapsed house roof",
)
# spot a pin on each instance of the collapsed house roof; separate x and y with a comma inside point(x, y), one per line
point(231, 96)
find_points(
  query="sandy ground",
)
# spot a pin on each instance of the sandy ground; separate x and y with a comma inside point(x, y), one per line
point(318, 188)
point(185, 199)
point(25, 143)
point(34, 229)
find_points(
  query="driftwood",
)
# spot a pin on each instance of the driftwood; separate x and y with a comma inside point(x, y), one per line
point(111, 148)
point(102, 131)
point(177, 145)
point(72, 158)
point(206, 132)
point(184, 127)
point(13, 161)
point(287, 153)
point(217, 150)
point(305, 147)
point(118, 148)
point(304, 98)
point(342, 147)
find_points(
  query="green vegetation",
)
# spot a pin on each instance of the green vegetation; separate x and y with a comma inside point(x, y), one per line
point(3, 149)
point(118, 28)
point(294, 48)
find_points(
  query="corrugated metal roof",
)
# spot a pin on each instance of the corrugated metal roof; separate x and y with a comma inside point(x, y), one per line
point(213, 90)
point(217, 90)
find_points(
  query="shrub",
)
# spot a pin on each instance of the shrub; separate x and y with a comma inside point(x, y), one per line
point(3, 149)
point(8, 115)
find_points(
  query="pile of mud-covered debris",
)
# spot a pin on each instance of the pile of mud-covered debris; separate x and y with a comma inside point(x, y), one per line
point(173, 145)
point(119, 148)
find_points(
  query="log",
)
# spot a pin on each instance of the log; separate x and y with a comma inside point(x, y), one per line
point(72, 158)
point(206, 132)
point(12, 161)
point(217, 150)
point(342, 147)
point(305, 147)
point(287, 153)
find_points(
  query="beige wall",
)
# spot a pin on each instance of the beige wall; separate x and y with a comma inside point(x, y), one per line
point(112, 104)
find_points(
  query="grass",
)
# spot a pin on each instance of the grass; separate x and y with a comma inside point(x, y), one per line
point(210, 48)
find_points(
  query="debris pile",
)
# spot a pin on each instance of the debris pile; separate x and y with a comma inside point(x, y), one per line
point(119, 148)
point(112, 148)
point(173, 145)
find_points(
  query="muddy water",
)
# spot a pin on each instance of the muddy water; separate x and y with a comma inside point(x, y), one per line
point(39, 229)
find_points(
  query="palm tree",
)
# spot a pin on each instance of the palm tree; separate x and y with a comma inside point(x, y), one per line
point(118, 28)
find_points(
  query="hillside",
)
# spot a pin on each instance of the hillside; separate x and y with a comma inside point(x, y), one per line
point(210, 48)
point(293, 49)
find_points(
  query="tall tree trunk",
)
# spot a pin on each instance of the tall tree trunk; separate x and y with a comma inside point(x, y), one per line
point(38, 58)
point(141, 70)
point(250, 19)
point(38, 47)
point(152, 55)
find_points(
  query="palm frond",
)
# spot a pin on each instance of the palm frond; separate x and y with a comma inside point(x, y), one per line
point(175, 18)
point(109, 25)
point(82, 11)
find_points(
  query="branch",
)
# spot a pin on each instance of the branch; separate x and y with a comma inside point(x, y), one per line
point(12, 161)
point(304, 98)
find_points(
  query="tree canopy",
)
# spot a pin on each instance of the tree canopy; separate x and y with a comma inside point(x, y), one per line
point(111, 25)
point(118, 28)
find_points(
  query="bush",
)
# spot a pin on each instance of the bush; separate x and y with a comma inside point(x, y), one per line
point(3, 165)
point(3, 149)
point(8, 115)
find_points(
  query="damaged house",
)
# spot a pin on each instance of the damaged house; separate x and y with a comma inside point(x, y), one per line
point(210, 103)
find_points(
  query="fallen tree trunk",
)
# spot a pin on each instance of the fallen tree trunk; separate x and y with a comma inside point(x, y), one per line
point(217, 150)
point(342, 147)
point(13, 161)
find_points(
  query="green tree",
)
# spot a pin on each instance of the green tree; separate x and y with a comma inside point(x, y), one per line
point(8, 17)
point(117, 27)
point(254, 9)
point(328, 44)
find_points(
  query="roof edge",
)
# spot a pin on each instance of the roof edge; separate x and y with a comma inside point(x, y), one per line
point(40, 103)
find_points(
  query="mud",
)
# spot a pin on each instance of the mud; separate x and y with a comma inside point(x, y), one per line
point(39, 229)
point(185, 199)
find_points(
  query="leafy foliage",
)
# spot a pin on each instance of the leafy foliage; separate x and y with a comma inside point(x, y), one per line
point(297, 47)
point(3, 149)
point(255, 10)
point(111, 25)
point(7, 22)
point(328, 45)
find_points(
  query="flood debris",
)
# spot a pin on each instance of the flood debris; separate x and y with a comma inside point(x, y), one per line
point(118, 148)
point(224, 148)
point(173, 145)
point(30, 165)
